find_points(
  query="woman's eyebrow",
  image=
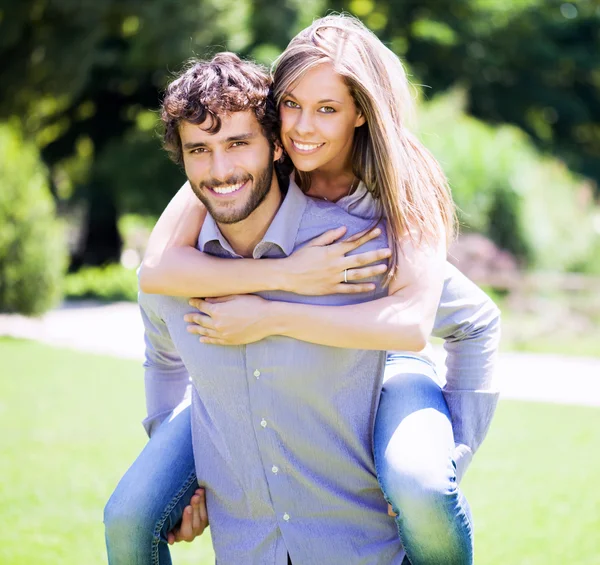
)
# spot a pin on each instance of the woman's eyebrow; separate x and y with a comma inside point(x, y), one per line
point(324, 101)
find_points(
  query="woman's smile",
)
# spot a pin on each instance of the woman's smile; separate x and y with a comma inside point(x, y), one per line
point(305, 148)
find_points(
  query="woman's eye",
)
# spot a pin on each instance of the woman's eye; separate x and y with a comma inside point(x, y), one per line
point(198, 150)
point(326, 110)
point(290, 104)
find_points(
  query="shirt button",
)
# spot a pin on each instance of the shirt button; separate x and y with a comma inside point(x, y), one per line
point(275, 469)
point(286, 517)
point(263, 423)
point(257, 373)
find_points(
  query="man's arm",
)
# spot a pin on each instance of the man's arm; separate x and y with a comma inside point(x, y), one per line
point(168, 388)
point(469, 322)
point(167, 381)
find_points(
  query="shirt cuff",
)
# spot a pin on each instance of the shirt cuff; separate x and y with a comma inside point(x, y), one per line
point(462, 459)
point(471, 413)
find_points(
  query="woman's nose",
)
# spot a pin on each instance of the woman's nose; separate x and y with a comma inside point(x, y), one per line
point(304, 124)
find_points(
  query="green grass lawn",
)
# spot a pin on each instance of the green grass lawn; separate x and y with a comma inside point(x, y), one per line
point(70, 427)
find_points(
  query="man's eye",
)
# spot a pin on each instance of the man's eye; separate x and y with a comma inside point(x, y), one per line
point(238, 144)
point(326, 110)
point(198, 150)
point(290, 104)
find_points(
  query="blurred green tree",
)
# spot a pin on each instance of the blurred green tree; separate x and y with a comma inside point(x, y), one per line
point(531, 63)
point(82, 76)
point(85, 77)
point(33, 249)
point(525, 201)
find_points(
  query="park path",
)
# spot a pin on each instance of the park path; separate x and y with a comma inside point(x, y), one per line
point(116, 329)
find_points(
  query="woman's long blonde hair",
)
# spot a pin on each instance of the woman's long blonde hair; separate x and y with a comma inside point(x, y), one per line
point(386, 156)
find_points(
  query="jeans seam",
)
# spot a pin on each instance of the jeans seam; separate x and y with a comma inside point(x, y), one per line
point(159, 525)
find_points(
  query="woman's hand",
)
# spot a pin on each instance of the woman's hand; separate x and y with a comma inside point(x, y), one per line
point(318, 268)
point(229, 320)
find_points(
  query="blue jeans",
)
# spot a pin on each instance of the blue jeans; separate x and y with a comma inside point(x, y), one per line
point(150, 498)
point(413, 447)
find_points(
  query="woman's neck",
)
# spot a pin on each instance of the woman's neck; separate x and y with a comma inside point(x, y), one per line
point(332, 185)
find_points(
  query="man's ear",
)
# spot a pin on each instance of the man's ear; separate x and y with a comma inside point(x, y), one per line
point(278, 151)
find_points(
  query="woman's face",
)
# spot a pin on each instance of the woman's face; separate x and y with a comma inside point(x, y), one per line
point(318, 118)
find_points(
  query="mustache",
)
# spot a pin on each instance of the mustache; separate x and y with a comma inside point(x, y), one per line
point(214, 183)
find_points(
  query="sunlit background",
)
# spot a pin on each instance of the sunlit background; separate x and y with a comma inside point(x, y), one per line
point(509, 102)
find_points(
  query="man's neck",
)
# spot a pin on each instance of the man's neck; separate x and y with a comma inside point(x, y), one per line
point(244, 236)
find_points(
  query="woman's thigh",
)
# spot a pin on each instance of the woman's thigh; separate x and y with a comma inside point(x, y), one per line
point(414, 455)
point(159, 484)
point(413, 437)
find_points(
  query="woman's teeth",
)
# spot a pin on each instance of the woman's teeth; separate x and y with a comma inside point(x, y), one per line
point(228, 189)
point(306, 146)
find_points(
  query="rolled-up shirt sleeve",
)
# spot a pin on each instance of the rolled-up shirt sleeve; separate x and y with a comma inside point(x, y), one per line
point(167, 381)
point(469, 322)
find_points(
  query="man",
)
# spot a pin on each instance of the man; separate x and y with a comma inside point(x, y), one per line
point(281, 428)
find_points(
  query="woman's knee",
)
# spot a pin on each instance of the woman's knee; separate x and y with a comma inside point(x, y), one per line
point(418, 487)
point(127, 521)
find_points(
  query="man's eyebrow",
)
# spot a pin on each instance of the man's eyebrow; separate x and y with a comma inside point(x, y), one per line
point(241, 137)
point(193, 145)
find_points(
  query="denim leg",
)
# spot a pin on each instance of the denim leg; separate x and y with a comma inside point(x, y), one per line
point(149, 500)
point(413, 449)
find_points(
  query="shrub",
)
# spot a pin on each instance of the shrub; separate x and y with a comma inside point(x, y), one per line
point(33, 252)
point(112, 282)
point(527, 203)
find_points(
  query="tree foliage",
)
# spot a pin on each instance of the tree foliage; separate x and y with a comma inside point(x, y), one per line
point(32, 246)
point(528, 203)
point(85, 79)
point(83, 76)
point(531, 63)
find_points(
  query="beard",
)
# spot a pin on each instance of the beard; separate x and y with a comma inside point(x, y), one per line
point(232, 213)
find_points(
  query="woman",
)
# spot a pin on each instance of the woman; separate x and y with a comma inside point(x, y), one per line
point(340, 92)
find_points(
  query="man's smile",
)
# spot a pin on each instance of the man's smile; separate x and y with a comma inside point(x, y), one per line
point(227, 189)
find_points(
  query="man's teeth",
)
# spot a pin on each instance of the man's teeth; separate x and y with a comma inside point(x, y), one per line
point(307, 146)
point(228, 188)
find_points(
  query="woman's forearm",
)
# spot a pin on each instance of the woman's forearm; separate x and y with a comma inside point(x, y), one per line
point(185, 271)
point(173, 266)
point(403, 320)
point(384, 324)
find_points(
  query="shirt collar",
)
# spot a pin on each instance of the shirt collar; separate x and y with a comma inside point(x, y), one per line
point(282, 232)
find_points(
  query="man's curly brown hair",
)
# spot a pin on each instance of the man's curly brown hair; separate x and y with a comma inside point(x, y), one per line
point(206, 90)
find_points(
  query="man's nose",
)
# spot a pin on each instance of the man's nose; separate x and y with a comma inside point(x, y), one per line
point(221, 167)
